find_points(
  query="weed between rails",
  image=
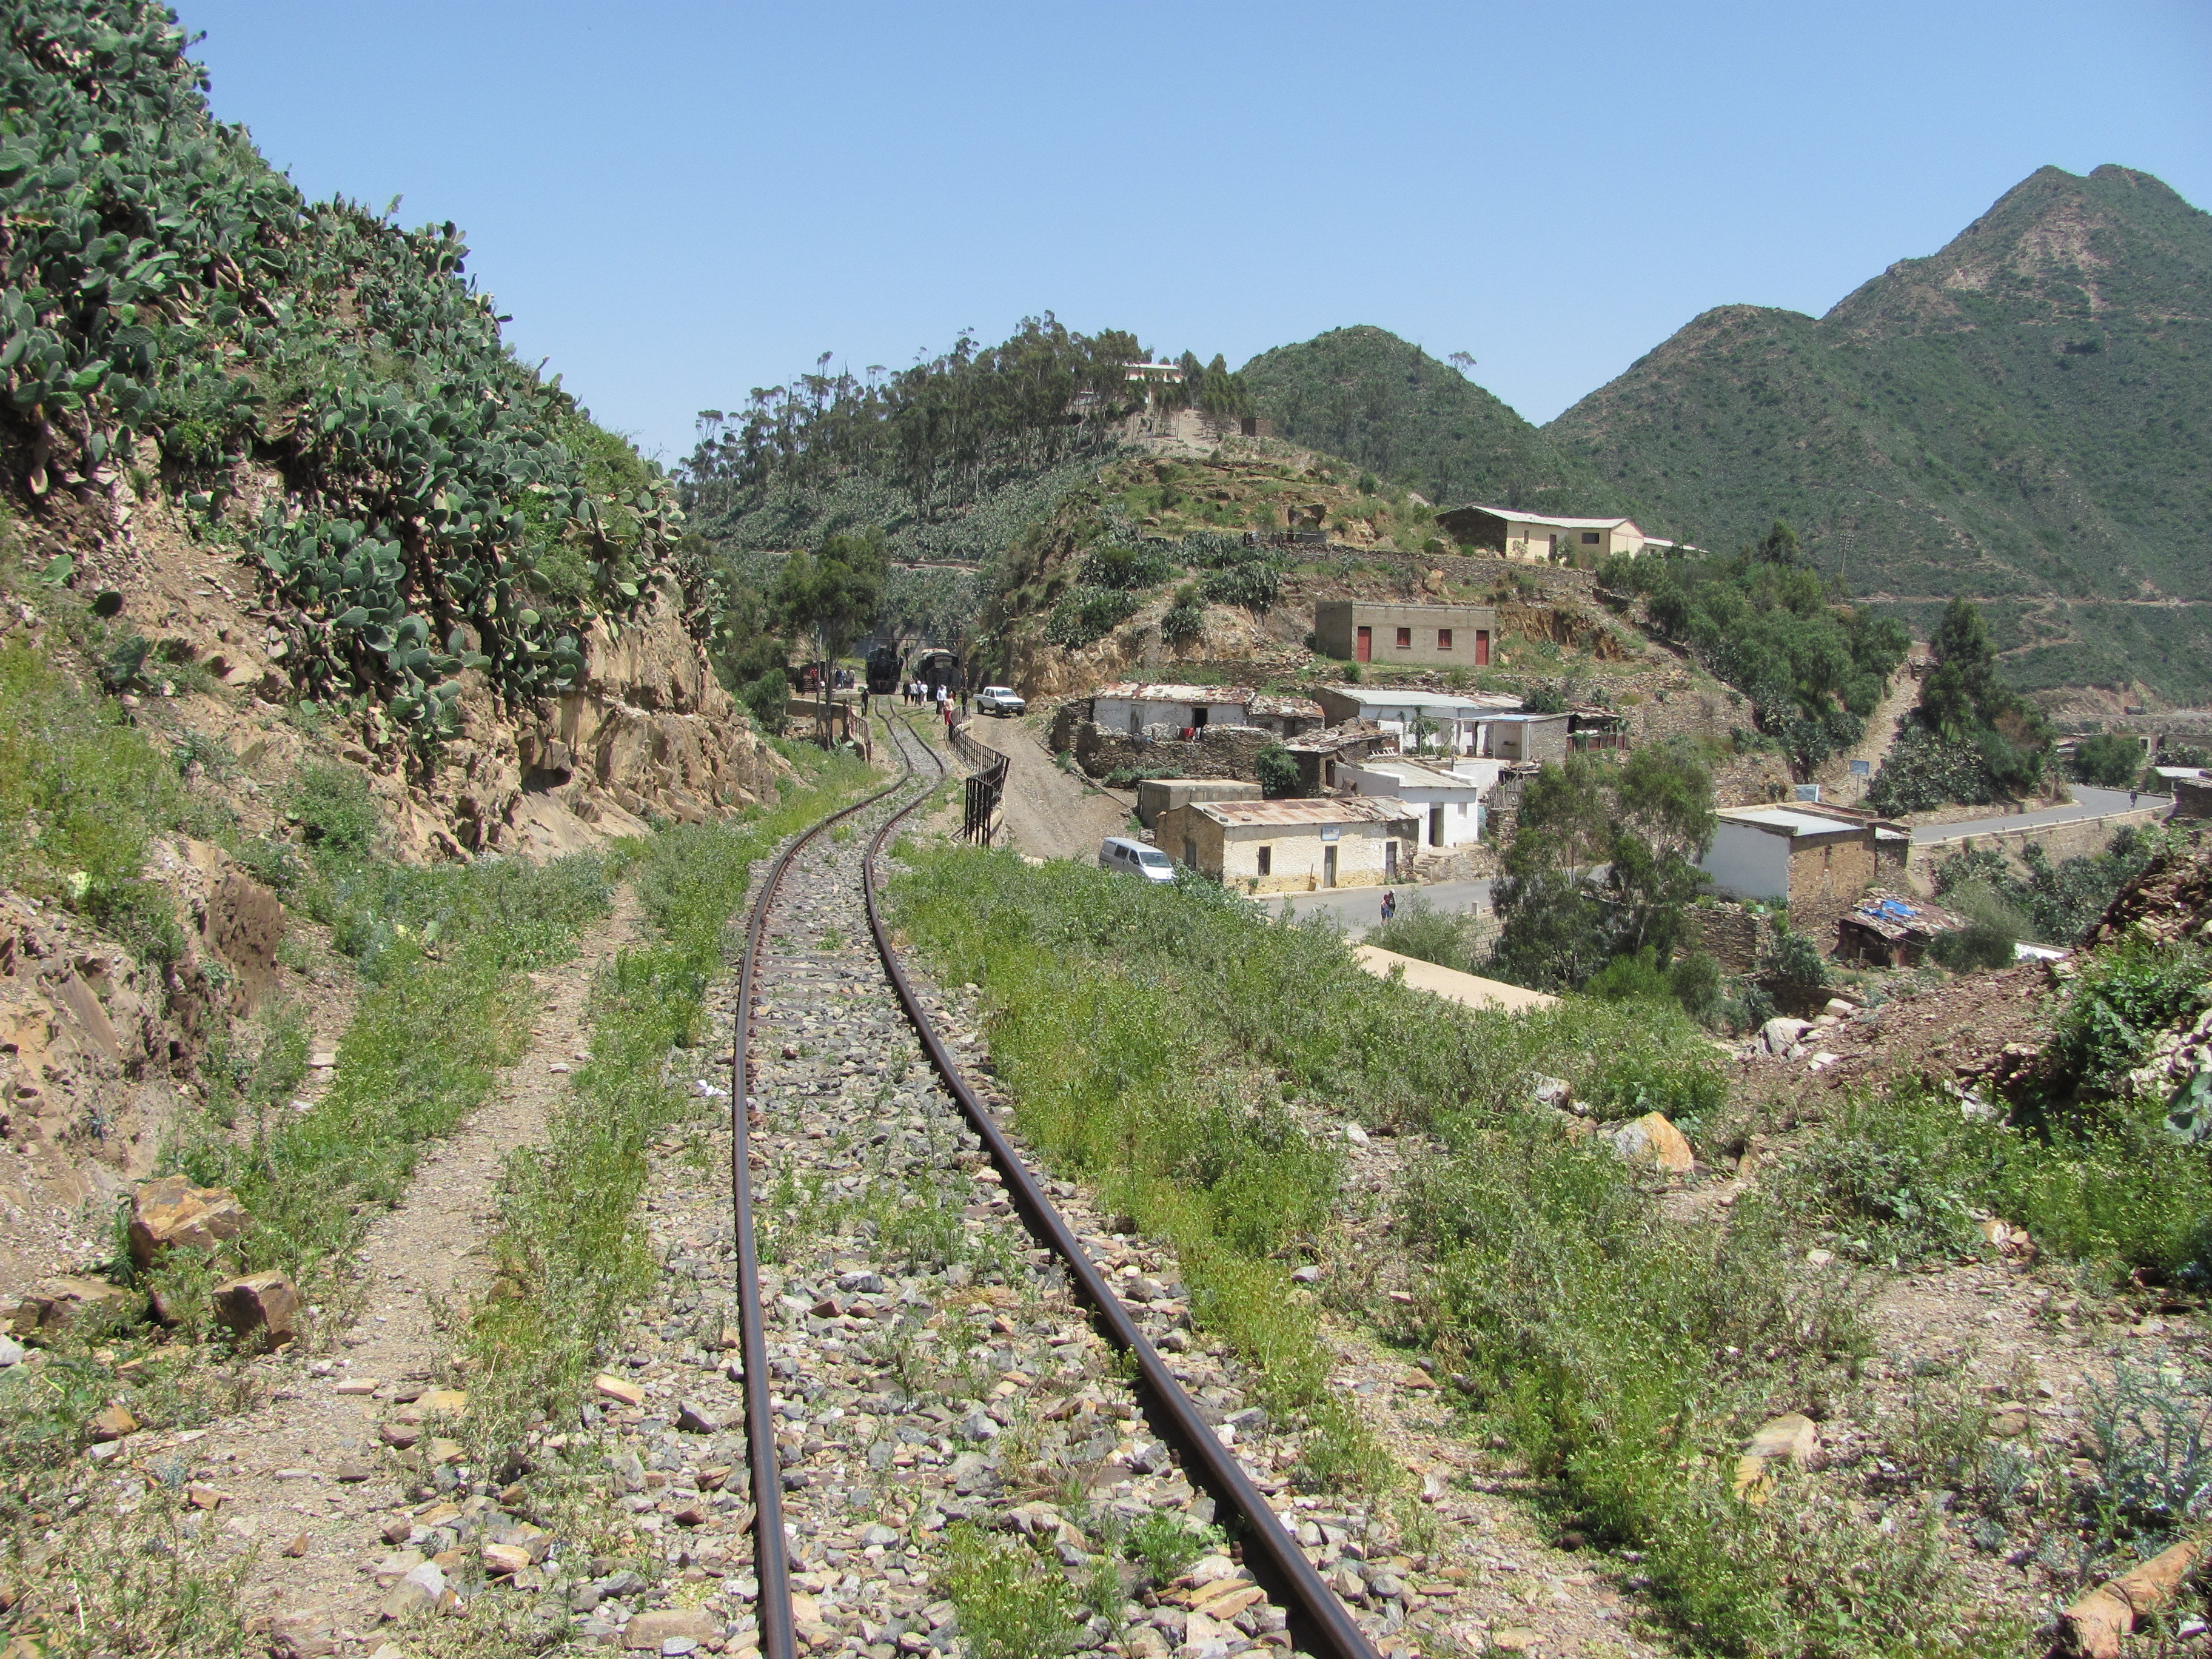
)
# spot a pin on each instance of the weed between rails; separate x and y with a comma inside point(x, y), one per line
point(570, 1251)
point(1150, 1038)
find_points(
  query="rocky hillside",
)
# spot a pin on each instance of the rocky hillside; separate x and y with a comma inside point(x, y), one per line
point(2021, 417)
point(282, 522)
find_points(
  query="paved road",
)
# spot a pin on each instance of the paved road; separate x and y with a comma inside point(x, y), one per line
point(2088, 803)
point(1358, 908)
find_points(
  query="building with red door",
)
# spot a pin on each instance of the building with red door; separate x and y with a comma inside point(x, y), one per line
point(1432, 635)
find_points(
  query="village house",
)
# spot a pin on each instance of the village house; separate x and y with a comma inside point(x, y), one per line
point(1429, 634)
point(1295, 846)
point(1450, 805)
point(1519, 535)
point(1159, 795)
point(1891, 930)
point(1131, 708)
point(1448, 720)
point(1321, 755)
point(1286, 717)
point(1817, 860)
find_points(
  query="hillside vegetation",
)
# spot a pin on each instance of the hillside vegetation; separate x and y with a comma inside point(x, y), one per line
point(1369, 396)
point(176, 312)
point(2022, 418)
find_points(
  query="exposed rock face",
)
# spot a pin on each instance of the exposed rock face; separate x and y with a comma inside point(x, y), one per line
point(86, 1090)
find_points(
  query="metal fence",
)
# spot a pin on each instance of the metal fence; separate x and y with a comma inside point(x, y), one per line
point(986, 786)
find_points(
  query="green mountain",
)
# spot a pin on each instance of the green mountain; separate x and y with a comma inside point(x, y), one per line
point(1369, 396)
point(2024, 417)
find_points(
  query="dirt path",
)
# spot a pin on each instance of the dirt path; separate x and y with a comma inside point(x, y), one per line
point(1049, 814)
point(303, 1488)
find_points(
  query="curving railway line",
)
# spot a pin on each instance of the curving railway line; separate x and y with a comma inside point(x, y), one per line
point(893, 1158)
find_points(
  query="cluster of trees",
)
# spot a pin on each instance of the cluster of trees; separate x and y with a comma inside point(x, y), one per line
point(946, 432)
point(1972, 738)
point(1601, 868)
point(1763, 622)
point(819, 601)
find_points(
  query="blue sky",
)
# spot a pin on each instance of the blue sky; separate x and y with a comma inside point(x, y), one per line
point(680, 201)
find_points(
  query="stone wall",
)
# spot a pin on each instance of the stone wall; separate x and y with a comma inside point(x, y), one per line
point(1729, 932)
point(2083, 838)
point(1215, 751)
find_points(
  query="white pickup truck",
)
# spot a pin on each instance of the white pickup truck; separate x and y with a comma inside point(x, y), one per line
point(999, 700)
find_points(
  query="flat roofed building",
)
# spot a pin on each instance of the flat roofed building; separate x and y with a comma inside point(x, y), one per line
point(1286, 717)
point(1519, 535)
point(1800, 853)
point(1430, 635)
point(1450, 805)
point(1295, 846)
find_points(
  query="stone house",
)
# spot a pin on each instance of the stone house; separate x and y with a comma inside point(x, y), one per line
point(1295, 846)
point(1819, 861)
point(1131, 708)
point(1446, 636)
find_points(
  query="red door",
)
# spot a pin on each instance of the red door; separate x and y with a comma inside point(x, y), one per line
point(1481, 647)
point(1363, 651)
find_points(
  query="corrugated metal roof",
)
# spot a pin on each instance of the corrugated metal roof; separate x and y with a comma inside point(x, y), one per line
point(1783, 817)
point(1516, 516)
point(1293, 814)
point(1470, 704)
point(1131, 692)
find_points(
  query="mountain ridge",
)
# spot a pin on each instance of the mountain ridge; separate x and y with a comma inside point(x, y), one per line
point(2019, 416)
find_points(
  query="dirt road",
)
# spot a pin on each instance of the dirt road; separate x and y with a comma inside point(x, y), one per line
point(1049, 813)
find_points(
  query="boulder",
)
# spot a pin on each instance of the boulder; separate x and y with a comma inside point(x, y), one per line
point(647, 1630)
point(422, 1590)
point(172, 1213)
point(1781, 1033)
point(1652, 1139)
point(53, 1304)
point(1793, 1435)
point(263, 1306)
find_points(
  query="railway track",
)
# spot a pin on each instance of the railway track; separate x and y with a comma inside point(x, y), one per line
point(926, 1341)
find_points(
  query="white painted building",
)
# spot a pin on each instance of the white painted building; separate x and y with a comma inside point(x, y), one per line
point(1449, 721)
point(1130, 707)
point(1450, 806)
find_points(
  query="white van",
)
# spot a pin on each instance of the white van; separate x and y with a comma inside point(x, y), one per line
point(1134, 858)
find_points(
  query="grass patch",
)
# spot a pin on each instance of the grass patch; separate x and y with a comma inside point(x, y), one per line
point(570, 1251)
point(442, 954)
point(1150, 1038)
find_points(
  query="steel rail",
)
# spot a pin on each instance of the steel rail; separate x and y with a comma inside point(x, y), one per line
point(771, 1554)
point(1319, 1623)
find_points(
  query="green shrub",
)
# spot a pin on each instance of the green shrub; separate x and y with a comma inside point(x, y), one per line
point(766, 699)
point(2112, 759)
point(82, 796)
point(1254, 585)
point(2121, 999)
point(1183, 621)
point(1278, 771)
point(335, 811)
point(1012, 1601)
point(1123, 568)
point(1164, 1543)
point(1087, 615)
